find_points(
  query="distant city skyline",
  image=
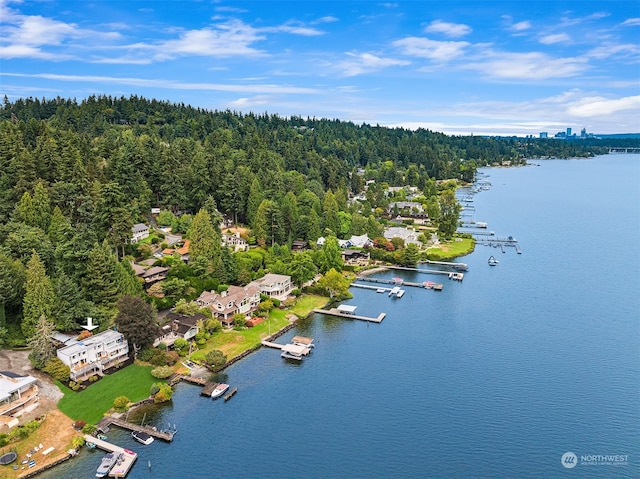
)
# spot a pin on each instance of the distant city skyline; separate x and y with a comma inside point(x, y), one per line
point(505, 68)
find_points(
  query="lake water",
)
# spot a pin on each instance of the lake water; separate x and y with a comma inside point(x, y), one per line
point(495, 376)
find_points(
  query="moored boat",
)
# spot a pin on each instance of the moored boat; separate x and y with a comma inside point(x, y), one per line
point(142, 437)
point(492, 261)
point(219, 390)
point(107, 463)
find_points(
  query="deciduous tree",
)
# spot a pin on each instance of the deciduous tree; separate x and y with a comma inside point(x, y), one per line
point(136, 321)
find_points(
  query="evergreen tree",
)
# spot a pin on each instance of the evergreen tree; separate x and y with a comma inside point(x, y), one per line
point(39, 295)
point(70, 309)
point(12, 279)
point(41, 207)
point(449, 214)
point(136, 321)
point(254, 200)
point(330, 217)
point(41, 342)
point(100, 282)
point(332, 255)
point(205, 240)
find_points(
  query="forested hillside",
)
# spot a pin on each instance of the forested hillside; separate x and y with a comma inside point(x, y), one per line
point(75, 176)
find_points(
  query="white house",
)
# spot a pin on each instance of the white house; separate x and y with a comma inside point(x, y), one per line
point(274, 285)
point(409, 235)
point(139, 232)
point(94, 354)
point(235, 242)
point(18, 395)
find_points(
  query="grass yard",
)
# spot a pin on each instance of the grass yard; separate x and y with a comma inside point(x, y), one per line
point(451, 249)
point(232, 343)
point(134, 382)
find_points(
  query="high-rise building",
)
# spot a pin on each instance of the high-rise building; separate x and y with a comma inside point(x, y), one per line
point(544, 134)
point(568, 132)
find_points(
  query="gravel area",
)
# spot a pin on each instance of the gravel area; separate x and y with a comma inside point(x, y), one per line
point(18, 362)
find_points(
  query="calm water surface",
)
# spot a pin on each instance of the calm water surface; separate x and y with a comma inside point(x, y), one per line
point(496, 376)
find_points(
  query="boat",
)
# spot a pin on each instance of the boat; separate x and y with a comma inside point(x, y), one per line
point(107, 463)
point(219, 390)
point(142, 437)
point(380, 290)
point(8, 458)
point(493, 261)
point(400, 293)
point(90, 445)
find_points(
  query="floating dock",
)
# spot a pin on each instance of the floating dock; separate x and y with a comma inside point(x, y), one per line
point(108, 421)
point(119, 470)
point(341, 314)
point(426, 284)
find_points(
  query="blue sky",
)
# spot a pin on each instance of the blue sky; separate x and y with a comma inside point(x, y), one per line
point(475, 67)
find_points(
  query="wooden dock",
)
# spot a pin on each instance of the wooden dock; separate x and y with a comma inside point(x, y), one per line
point(129, 457)
point(418, 270)
point(336, 312)
point(269, 344)
point(230, 394)
point(109, 421)
point(208, 388)
point(426, 284)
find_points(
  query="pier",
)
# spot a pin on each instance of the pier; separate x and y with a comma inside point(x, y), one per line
point(450, 264)
point(109, 421)
point(418, 270)
point(129, 457)
point(341, 314)
point(499, 242)
point(426, 284)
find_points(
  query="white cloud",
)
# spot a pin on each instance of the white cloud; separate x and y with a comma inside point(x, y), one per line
point(555, 38)
point(598, 106)
point(295, 30)
point(362, 63)
point(454, 30)
point(168, 84)
point(226, 39)
point(431, 49)
point(631, 22)
point(521, 26)
point(607, 51)
point(530, 66)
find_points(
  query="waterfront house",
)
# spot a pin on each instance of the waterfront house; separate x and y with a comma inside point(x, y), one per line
point(235, 300)
point(139, 232)
point(179, 326)
point(274, 285)
point(18, 395)
point(94, 354)
point(409, 235)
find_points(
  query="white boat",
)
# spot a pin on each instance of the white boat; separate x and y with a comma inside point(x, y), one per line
point(493, 261)
point(142, 437)
point(400, 293)
point(107, 463)
point(219, 390)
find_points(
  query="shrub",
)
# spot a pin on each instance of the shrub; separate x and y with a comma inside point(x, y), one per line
point(216, 358)
point(162, 372)
point(164, 394)
point(89, 429)
point(162, 347)
point(93, 378)
point(57, 370)
point(121, 403)
point(146, 354)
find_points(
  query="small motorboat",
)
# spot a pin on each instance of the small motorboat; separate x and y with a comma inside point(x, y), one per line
point(142, 437)
point(219, 390)
point(493, 261)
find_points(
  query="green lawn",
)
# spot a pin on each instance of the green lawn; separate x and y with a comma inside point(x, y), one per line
point(232, 343)
point(451, 249)
point(134, 382)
